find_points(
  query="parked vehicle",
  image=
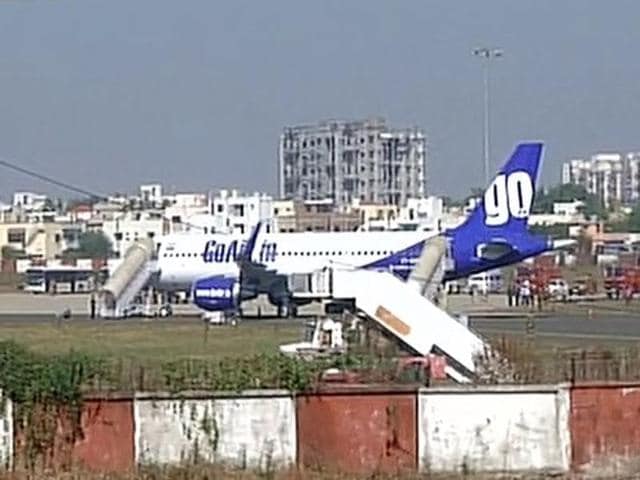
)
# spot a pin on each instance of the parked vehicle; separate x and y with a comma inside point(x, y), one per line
point(578, 287)
point(558, 288)
point(219, 318)
point(148, 311)
point(582, 286)
point(485, 282)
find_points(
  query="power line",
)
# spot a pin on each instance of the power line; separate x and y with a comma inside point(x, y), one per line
point(67, 186)
point(53, 181)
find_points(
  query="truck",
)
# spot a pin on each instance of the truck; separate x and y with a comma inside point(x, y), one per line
point(614, 281)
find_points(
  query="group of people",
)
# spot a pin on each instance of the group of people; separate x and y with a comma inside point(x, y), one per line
point(523, 293)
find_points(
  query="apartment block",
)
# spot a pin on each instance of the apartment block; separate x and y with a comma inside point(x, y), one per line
point(613, 177)
point(234, 212)
point(343, 161)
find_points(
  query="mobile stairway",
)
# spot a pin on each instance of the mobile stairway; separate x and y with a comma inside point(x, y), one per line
point(428, 273)
point(133, 273)
point(409, 317)
point(405, 310)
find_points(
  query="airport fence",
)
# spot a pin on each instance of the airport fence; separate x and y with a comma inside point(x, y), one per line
point(533, 363)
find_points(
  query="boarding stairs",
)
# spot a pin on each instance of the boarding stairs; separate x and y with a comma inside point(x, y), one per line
point(134, 272)
point(434, 261)
point(411, 318)
point(406, 311)
point(427, 277)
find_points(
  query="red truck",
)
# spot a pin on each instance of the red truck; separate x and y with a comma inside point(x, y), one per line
point(621, 281)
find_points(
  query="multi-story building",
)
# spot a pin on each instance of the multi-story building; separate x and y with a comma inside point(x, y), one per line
point(39, 240)
point(233, 212)
point(346, 160)
point(151, 195)
point(124, 228)
point(313, 216)
point(28, 201)
point(6, 212)
point(613, 177)
point(631, 179)
point(181, 208)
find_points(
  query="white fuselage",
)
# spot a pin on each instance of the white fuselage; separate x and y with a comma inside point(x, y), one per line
point(185, 258)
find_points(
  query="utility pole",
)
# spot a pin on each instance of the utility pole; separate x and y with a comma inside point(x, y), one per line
point(486, 54)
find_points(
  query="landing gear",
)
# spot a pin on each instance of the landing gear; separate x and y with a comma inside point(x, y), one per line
point(287, 310)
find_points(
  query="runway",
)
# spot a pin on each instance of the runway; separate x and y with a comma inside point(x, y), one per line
point(600, 327)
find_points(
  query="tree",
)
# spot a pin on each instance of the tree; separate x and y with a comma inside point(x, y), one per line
point(567, 193)
point(629, 224)
point(8, 252)
point(92, 245)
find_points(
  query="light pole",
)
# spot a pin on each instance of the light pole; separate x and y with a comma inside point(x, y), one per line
point(486, 54)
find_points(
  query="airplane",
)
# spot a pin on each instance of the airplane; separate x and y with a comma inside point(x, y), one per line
point(229, 269)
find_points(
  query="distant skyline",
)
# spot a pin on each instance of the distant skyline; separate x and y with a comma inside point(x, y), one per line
point(107, 95)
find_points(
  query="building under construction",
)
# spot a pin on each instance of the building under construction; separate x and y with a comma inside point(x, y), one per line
point(347, 160)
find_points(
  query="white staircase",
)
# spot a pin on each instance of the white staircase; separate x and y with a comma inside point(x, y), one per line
point(430, 268)
point(127, 280)
point(411, 318)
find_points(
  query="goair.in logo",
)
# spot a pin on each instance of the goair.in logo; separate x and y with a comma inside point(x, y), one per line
point(508, 196)
point(216, 251)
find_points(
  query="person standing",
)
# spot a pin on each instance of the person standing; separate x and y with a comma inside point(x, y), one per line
point(92, 306)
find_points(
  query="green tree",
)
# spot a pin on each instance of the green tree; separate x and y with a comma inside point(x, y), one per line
point(567, 193)
point(92, 245)
point(631, 223)
point(11, 253)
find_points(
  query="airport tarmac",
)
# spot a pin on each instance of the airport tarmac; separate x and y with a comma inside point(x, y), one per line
point(597, 328)
point(20, 303)
point(609, 322)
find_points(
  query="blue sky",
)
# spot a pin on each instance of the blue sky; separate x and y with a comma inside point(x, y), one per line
point(111, 94)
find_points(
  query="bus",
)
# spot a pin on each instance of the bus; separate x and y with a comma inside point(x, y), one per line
point(62, 279)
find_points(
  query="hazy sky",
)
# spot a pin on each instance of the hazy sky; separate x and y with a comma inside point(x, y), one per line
point(109, 94)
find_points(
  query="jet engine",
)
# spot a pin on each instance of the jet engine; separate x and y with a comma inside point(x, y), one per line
point(217, 293)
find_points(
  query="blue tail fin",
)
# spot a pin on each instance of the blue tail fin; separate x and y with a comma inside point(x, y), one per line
point(507, 202)
point(495, 234)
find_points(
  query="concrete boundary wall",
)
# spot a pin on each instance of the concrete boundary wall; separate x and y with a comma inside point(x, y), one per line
point(6, 433)
point(251, 429)
point(494, 429)
point(605, 431)
point(364, 430)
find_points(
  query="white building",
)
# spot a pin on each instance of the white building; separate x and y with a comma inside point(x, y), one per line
point(237, 213)
point(613, 177)
point(5, 212)
point(28, 201)
point(568, 208)
point(151, 194)
point(418, 214)
point(181, 208)
point(125, 228)
point(423, 210)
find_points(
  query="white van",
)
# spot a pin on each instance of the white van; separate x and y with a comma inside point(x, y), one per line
point(490, 281)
